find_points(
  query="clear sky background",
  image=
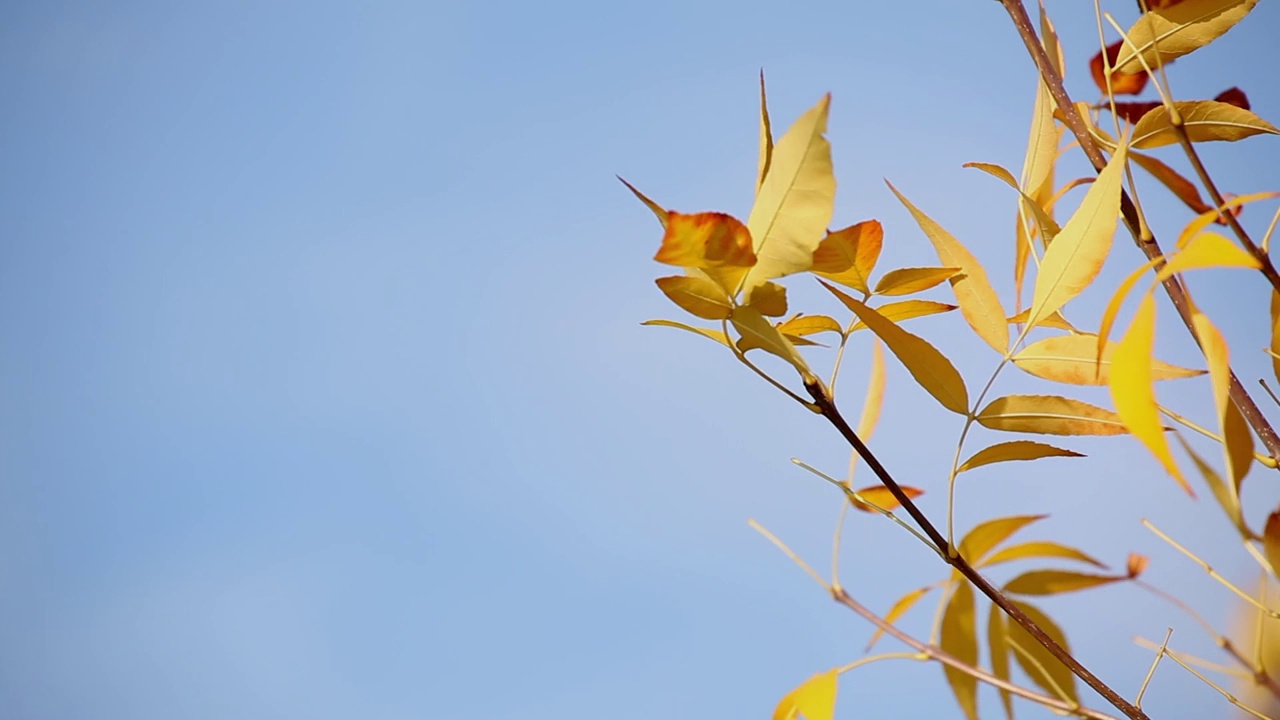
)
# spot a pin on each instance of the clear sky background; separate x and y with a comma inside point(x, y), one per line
point(323, 392)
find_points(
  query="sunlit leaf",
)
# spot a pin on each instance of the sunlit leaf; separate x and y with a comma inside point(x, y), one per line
point(1204, 121)
point(984, 537)
point(1039, 163)
point(1039, 549)
point(1048, 228)
point(1184, 189)
point(809, 325)
point(997, 630)
point(1054, 320)
point(766, 138)
point(1208, 250)
point(874, 397)
point(849, 255)
point(814, 699)
point(705, 240)
point(880, 496)
point(960, 640)
point(716, 335)
point(1136, 564)
point(1077, 253)
point(770, 299)
point(1071, 359)
point(1060, 679)
point(1055, 582)
point(1225, 494)
point(654, 207)
point(1207, 218)
point(696, 295)
point(1014, 450)
point(1271, 541)
point(1161, 35)
point(1049, 415)
point(1238, 440)
point(930, 368)
point(751, 324)
point(1133, 391)
point(908, 309)
point(905, 281)
point(795, 201)
point(978, 300)
point(1275, 334)
point(1115, 303)
point(1122, 83)
point(899, 608)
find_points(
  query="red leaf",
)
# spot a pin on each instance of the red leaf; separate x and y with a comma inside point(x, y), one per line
point(1121, 83)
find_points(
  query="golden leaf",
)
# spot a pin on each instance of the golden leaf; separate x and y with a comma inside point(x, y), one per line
point(1060, 680)
point(1238, 440)
point(1077, 253)
point(809, 325)
point(1226, 495)
point(907, 309)
point(905, 281)
point(880, 496)
point(716, 335)
point(930, 368)
point(1184, 189)
point(984, 537)
point(795, 201)
point(654, 207)
point(1014, 450)
point(1039, 549)
point(770, 299)
point(1203, 120)
point(766, 138)
point(874, 397)
point(751, 324)
point(960, 640)
point(1171, 32)
point(1133, 392)
point(1071, 359)
point(849, 255)
point(1275, 334)
point(705, 240)
point(1049, 415)
point(696, 295)
point(1210, 216)
point(900, 607)
point(1207, 250)
point(1054, 582)
point(814, 699)
point(1055, 320)
point(997, 632)
point(1116, 301)
point(978, 300)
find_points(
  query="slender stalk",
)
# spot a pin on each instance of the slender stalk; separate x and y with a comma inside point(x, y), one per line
point(822, 400)
point(1145, 241)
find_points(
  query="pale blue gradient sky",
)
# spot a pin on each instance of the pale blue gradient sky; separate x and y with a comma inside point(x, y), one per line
point(323, 394)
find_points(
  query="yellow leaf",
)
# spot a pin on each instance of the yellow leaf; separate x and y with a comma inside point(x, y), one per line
point(751, 324)
point(900, 607)
point(984, 537)
point(1208, 250)
point(1208, 217)
point(1116, 301)
point(1171, 32)
point(1077, 253)
point(1038, 165)
point(1227, 497)
point(809, 325)
point(770, 299)
point(848, 256)
point(716, 335)
point(978, 300)
point(1275, 334)
point(705, 240)
point(1049, 415)
point(880, 497)
point(1039, 549)
point(1132, 389)
point(696, 295)
point(930, 368)
point(795, 201)
point(814, 699)
point(1014, 450)
point(1204, 121)
point(766, 138)
point(1238, 440)
point(907, 309)
point(1054, 320)
point(1071, 359)
point(960, 640)
point(874, 397)
point(997, 630)
point(1060, 680)
point(1048, 228)
point(654, 207)
point(1054, 582)
point(905, 281)
point(1271, 541)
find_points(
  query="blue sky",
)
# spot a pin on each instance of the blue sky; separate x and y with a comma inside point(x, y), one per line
point(323, 392)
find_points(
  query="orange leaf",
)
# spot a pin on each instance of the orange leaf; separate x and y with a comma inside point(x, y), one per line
point(880, 496)
point(1271, 541)
point(1121, 83)
point(848, 256)
point(705, 240)
point(1136, 564)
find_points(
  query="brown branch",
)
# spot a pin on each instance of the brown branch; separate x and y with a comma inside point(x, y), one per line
point(1149, 246)
point(826, 406)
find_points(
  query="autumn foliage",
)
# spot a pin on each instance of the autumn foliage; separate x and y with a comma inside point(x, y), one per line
point(729, 288)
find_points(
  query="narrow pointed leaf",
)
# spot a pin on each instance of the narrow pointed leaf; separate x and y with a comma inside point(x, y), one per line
point(1271, 540)
point(795, 201)
point(1210, 216)
point(766, 138)
point(1014, 450)
point(1039, 549)
point(1226, 495)
point(930, 368)
point(1055, 320)
point(997, 630)
point(905, 281)
point(899, 608)
point(873, 400)
point(978, 300)
point(770, 299)
point(960, 639)
point(751, 324)
point(658, 211)
point(1055, 582)
point(906, 310)
point(1275, 334)
point(1133, 392)
point(848, 256)
point(880, 497)
point(814, 699)
point(1184, 189)
point(1208, 250)
point(716, 335)
point(1117, 301)
point(1237, 439)
point(984, 537)
point(809, 325)
point(1077, 253)
point(1162, 35)
point(1204, 121)
point(696, 295)
point(1060, 679)
point(1071, 359)
point(1049, 415)
point(1048, 228)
